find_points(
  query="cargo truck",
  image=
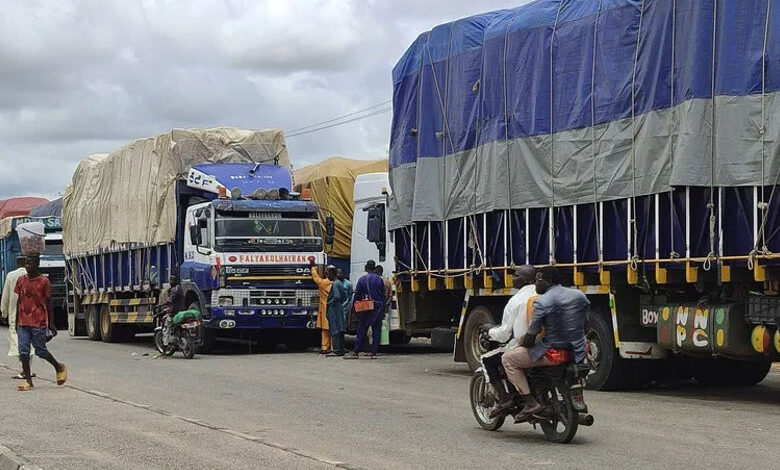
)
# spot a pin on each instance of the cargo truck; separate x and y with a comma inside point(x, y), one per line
point(52, 260)
point(634, 145)
point(215, 205)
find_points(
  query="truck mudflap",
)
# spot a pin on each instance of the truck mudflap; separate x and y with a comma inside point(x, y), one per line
point(709, 329)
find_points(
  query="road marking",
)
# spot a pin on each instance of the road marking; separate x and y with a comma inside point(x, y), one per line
point(197, 422)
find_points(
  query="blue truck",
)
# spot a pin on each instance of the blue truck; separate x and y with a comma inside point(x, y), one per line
point(634, 145)
point(52, 260)
point(240, 240)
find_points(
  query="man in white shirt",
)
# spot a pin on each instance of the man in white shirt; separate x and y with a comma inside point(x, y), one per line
point(514, 322)
point(8, 305)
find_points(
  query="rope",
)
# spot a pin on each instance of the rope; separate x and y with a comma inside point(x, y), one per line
point(711, 205)
point(764, 206)
point(634, 233)
point(506, 138)
point(552, 139)
point(672, 212)
point(596, 218)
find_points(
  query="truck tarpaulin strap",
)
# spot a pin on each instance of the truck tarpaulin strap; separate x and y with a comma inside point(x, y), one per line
point(561, 102)
point(139, 181)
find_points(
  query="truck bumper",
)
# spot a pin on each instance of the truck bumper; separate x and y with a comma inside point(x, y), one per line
point(261, 318)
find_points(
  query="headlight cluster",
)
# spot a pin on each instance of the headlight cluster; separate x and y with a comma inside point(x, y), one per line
point(271, 312)
point(273, 301)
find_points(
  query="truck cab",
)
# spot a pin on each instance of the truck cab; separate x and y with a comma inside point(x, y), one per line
point(247, 249)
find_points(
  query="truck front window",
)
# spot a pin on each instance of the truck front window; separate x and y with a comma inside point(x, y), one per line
point(53, 248)
point(268, 234)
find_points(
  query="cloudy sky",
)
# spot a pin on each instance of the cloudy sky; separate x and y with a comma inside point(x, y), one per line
point(80, 77)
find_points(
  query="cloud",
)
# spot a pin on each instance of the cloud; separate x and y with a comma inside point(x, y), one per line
point(81, 77)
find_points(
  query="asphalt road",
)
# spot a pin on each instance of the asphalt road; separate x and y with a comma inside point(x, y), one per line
point(408, 409)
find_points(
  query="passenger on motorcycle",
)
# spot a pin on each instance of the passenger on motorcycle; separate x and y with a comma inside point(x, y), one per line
point(514, 322)
point(172, 306)
point(562, 312)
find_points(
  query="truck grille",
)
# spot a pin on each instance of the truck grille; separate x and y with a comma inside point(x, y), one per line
point(239, 271)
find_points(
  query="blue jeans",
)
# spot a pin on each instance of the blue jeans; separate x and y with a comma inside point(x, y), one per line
point(31, 335)
point(373, 320)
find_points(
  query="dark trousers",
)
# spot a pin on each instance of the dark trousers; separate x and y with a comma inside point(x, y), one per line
point(337, 343)
point(373, 320)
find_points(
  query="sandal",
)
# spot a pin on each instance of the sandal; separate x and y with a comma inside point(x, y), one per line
point(19, 376)
point(62, 375)
point(25, 387)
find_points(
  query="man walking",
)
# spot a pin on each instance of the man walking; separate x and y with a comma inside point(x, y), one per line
point(370, 287)
point(8, 306)
point(35, 317)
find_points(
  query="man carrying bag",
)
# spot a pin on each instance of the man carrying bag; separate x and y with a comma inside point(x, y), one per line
point(370, 307)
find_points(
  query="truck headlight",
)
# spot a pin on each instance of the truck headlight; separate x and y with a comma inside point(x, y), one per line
point(226, 300)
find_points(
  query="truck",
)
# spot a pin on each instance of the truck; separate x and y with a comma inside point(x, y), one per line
point(331, 183)
point(52, 261)
point(632, 145)
point(214, 205)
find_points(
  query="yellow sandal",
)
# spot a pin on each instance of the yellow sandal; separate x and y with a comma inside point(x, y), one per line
point(25, 387)
point(62, 375)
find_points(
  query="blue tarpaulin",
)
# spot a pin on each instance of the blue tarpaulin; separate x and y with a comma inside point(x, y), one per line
point(563, 102)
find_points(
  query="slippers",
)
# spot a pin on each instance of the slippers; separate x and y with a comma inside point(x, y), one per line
point(62, 375)
point(25, 387)
point(19, 376)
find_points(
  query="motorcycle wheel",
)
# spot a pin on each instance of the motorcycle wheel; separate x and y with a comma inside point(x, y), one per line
point(187, 346)
point(158, 344)
point(477, 393)
point(561, 424)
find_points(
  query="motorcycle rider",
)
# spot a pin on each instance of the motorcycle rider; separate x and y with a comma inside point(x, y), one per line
point(562, 311)
point(172, 306)
point(514, 324)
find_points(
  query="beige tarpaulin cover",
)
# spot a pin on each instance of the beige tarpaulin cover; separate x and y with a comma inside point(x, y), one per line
point(332, 183)
point(128, 196)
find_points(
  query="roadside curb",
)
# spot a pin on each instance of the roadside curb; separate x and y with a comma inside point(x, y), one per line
point(9, 460)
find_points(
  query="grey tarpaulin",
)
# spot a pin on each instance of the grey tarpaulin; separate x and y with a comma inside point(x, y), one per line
point(562, 102)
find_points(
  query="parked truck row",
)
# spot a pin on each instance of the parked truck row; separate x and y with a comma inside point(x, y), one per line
point(634, 145)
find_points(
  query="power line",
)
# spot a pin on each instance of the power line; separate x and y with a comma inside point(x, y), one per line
point(310, 129)
point(360, 111)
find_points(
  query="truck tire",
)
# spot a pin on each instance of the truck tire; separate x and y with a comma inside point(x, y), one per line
point(729, 372)
point(477, 317)
point(609, 371)
point(208, 335)
point(93, 323)
point(76, 327)
point(108, 331)
point(399, 337)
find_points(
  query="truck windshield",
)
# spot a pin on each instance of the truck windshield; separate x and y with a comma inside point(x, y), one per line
point(267, 234)
point(53, 248)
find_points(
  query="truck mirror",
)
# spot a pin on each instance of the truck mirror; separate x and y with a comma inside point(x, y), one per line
point(195, 235)
point(330, 230)
point(375, 228)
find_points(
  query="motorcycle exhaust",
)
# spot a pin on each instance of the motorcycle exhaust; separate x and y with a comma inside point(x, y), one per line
point(585, 420)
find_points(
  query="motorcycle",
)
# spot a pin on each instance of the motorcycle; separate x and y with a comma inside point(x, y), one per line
point(185, 333)
point(558, 388)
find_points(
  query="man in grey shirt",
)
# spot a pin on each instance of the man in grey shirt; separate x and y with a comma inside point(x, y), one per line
point(562, 312)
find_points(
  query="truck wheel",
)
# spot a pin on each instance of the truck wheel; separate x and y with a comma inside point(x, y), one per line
point(399, 337)
point(208, 335)
point(92, 323)
point(76, 327)
point(725, 372)
point(478, 317)
point(609, 371)
point(108, 331)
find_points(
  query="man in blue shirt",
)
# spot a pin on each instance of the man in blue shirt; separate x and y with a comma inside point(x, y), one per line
point(370, 287)
point(562, 312)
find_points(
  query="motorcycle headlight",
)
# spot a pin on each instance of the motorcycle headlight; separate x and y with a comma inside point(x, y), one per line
point(226, 300)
